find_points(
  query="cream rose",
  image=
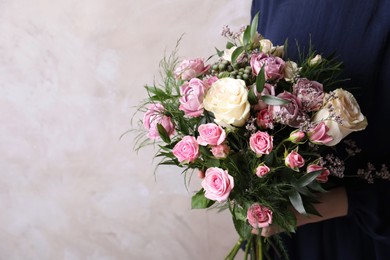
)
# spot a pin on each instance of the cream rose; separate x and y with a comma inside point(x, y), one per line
point(344, 118)
point(227, 98)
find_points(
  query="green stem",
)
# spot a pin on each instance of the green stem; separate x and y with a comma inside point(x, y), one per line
point(259, 248)
point(234, 250)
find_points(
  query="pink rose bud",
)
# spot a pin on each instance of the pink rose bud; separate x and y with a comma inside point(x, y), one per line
point(323, 177)
point(186, 150)
point(261, 143)
point(211, 134)
point(310, 93)
point(155, 115)
point(319, 134)
point(259, 216)
point(220, 151)
point(217, 184)
point(262, 170)
point(190, 68)
point(264, 119)
point(297, 136)
point(191, 100)
point(294, 160)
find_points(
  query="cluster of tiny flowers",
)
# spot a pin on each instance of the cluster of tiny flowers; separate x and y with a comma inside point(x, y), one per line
point(332, 114)
point(351, 148)
point(370, 173)
point(226, 32)
point(334, 164)
point(250, 125)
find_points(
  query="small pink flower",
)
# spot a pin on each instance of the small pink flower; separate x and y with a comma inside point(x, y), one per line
point(261, 143)
point(190, 68)
point(209, 81)
point(211, 134)
point(191, 100)
point(262, 170)
point(296, 136)
point(323, 177)
point(264, 119)
point(259, 216)
point(319, 134)
point(186, 150)
point(294, 160)
point(217, 184)
point(220, 151)
point(155, 115)
point(310, 93)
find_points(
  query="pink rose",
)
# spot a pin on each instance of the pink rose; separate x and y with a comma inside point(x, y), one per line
point(264, 119)
point(217, 184)
point(310, 93)
point(210, 134)
point(289, 114)
point(191, 100)
point(190, 68)
point(296, 136)
point(262, 170)
point(209, 81)
point(319, 134)
point(155, 115)
point(273, 66)
point(259, 216)
point(261, 143)
point(186, 150)
point(323, 177)
point(294, 160)
point(220, 151)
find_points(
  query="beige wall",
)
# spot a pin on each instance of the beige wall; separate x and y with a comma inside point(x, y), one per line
point(70, 73)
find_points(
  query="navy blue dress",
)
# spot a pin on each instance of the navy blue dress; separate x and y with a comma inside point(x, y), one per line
point(358, 31)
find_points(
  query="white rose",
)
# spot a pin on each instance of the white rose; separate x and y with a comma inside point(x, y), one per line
point(266, 46)
point(317, 59)
point(227, 98)
point(291, 71)
point(278, 51)
point(346, 109)
point(227, 54)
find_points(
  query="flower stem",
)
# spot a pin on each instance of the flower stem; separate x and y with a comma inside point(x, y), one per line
point(234, 250)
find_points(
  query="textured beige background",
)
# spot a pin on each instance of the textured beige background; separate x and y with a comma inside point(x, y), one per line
point(70, 73)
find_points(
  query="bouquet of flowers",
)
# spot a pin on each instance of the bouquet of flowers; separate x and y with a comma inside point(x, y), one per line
point(260, 130)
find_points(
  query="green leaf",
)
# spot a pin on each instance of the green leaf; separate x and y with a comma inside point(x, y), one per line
point(296, 201)
point(163, 134)
point(307, 178)
point(254, 24)
point(316, 187)
point(240, 224)
point(274, 101)
point(252, 98)
point(237, 52)
point(199, 201)
point(260, 80)
point(247, 35)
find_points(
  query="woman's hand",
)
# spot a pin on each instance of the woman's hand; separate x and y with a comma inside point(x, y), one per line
point(334, 203)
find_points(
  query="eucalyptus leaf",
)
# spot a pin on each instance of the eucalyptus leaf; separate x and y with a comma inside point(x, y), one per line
point(274, 101)
point(260, 80)
point(296, 201)
point(254, 25)
point(307, 178)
